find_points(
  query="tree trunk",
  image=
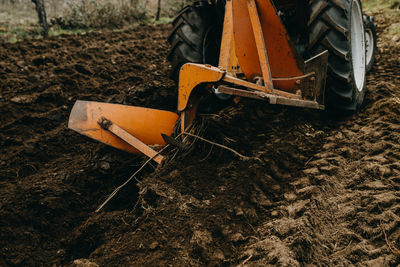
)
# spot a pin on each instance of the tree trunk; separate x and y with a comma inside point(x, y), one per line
point(158, 10)
point(40, 10)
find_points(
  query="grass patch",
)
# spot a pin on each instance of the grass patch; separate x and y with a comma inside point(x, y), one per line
point(380, 5)
point(163, 20)
point(375, 5)
point(56, 30)
point(389, 11)
point(100, 14)
point(20, 33)
point(393, 31)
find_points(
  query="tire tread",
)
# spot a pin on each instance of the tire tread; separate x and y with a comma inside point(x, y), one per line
point(329, 24)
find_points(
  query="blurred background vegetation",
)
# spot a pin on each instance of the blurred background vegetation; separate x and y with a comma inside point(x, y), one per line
point(18, 18)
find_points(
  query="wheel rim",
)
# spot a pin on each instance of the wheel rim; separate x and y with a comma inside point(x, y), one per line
point(369, 45)
point(357, 45)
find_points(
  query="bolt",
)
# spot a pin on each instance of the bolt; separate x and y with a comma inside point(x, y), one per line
point(104, 123)
point(258, 80)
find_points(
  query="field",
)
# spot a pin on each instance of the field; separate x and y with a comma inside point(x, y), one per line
point(317, 190)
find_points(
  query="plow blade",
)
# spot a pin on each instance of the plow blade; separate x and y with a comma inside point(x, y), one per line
point(145, 124)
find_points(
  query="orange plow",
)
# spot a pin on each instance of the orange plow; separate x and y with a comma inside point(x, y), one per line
point(133, 129)
point(257, 59)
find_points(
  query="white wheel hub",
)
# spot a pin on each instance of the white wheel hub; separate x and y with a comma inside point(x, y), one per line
point(357, 45)
point(369, 45)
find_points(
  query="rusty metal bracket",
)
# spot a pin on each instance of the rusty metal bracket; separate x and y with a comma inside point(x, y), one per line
point(273, 99)
point(253, 86)
point(319, 65)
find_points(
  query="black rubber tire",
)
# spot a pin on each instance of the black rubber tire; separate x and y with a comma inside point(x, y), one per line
point(330, 29)
point(370, 29)
point(195, 37)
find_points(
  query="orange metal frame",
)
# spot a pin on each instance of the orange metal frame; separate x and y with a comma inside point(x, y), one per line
point(254, 43)
point(257, 60)
point(262, 44)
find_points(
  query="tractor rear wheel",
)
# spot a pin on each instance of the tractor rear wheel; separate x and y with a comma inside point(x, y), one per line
point(195, 37)
point(337, 26)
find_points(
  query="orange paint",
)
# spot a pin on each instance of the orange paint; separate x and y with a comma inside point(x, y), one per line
point(143, 123)
point(192, 75)
point(283, 59)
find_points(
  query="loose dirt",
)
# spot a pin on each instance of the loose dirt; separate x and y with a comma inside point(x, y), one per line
point(316, 190)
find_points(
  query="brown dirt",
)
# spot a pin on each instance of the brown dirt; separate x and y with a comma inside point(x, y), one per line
point(315, 191)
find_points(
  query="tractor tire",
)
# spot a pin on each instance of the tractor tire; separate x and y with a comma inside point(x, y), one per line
point(337, 26)
point(370, 41)
point(195, 37)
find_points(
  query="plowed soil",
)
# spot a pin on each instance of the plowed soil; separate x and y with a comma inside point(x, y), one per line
point(315, 189)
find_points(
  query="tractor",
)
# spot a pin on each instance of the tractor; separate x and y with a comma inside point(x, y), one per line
point(309, 54)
